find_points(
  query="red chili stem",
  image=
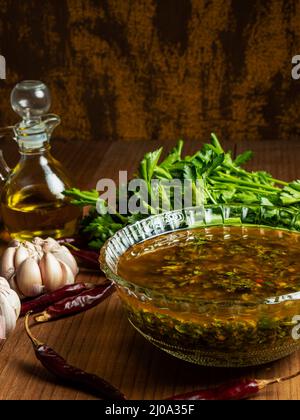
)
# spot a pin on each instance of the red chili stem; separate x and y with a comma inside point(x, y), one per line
point(265, 382)
point(42, 302)
point(78, 378)
point(76, 304)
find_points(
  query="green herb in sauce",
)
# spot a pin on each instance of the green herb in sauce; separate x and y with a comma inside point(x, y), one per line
point(217, 263)
point(215, 284)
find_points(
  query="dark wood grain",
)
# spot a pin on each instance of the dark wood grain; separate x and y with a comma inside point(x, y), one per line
point(282, 160)
point(101, 340)
point(158, 69)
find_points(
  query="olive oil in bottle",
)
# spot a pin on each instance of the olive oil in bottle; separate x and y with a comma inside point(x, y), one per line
point(32, 200)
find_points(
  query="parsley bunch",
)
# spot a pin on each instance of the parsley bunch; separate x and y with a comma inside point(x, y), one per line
point(215, 177)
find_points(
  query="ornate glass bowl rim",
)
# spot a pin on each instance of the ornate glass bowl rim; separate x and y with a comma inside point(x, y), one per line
point(188, 218)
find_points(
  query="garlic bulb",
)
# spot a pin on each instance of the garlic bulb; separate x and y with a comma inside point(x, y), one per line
point(10, 307)
point(38, 266)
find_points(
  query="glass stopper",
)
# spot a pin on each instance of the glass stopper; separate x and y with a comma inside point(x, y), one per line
point(30, 99)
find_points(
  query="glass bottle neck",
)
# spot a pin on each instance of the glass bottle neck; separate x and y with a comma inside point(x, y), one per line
point(35, 151)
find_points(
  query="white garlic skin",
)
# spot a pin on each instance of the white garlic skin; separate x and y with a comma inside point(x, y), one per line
point(51, 272)
point(29, 278)
point(68, 275)
point(14, 286)
point(10, 307)
point(38, 266)
point(21, 255)
point(63, 254)
point(7, 262)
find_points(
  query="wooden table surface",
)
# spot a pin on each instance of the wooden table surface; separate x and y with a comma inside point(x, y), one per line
point(101, 340)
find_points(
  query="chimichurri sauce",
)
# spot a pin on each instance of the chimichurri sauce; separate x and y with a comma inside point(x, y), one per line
point(217, 263)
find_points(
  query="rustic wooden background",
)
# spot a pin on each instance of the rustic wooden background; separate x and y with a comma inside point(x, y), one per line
point(158, 69)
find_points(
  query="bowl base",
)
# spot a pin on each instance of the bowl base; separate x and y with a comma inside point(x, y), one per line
point(222, 359)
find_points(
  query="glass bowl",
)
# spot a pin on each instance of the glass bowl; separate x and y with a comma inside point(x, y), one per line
point(206, 332)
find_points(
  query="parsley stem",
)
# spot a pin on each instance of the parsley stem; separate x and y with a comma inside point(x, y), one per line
point(233, 180)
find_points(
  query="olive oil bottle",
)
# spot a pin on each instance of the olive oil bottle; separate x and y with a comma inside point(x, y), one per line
point(32, 200)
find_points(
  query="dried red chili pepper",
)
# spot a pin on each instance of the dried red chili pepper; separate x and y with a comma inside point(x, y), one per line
point(76, 304)
point(90, 259)
point(42, 302)
point(87, 257)
point(58, 366)
point(238, 390)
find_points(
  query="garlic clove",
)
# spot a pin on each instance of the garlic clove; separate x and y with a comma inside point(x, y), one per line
point(7, 262)
point(8, 314)
point(50, 245)
point(14, 243)
point(38, 241)
point(52, 241)
point(29, 279)
point(51, 272)
point(14, 301)
point(14, 287)
point(4, 283)
point(68, 276)
point(65, 255)
point(38, 253)
point(2, 330)
point(29, 246)
point(20, 256)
